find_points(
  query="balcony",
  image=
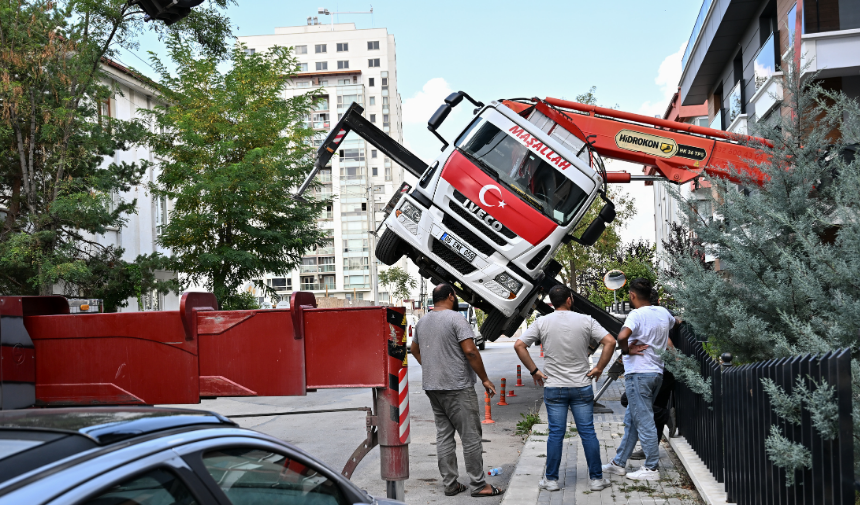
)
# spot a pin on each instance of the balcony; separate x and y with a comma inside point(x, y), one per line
point(313, 287)
point(735, 102)
point(716, 34)
point(831, 54)
point(717, 122)
point(316, 269)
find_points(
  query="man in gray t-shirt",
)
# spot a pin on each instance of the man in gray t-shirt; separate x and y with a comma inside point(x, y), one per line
point(566, 337)
point(444, 347)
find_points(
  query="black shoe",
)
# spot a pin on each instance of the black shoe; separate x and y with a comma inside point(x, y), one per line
point(640, 454)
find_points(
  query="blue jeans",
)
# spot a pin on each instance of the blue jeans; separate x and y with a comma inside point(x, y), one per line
point(642, 389)
point(580, 401)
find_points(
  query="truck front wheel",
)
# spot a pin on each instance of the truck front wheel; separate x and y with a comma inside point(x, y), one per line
point(494, 325)
point(390, 248)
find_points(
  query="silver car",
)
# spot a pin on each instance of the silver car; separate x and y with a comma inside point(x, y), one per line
point(156, 456)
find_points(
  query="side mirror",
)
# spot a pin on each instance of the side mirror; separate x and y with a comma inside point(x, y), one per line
point(593, 232)
point(439, 117)
point(454, 99)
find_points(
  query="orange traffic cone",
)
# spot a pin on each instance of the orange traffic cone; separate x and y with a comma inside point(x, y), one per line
point(488, 418)
point(502, 401)
point(519, 380)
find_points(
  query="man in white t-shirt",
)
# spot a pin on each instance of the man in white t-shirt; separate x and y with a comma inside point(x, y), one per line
point(644, 335)
point(566, 337)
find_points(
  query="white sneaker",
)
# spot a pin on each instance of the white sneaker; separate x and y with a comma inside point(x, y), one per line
point(611, 467)
point(600, 484)
point(549, 485)
point(644, 474)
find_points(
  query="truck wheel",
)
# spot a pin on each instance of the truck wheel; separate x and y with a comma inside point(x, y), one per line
point(494, 325)
point(390, 247)
point(513, 325)
point(481, 346)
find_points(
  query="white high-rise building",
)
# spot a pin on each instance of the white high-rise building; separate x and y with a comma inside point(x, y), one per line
point(342, 65)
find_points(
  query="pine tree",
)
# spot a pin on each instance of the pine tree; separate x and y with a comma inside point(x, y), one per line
point(789, 254)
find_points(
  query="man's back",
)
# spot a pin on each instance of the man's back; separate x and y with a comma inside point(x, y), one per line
point(649, 325)
point(566, 337)
point(444, 366)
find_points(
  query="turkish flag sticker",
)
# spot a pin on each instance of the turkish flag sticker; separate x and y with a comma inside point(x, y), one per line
point(500, 203)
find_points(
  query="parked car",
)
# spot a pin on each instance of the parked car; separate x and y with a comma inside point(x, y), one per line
point(154, 456)
point(411, 321)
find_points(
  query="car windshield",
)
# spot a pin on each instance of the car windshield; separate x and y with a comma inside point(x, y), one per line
point(535, 180)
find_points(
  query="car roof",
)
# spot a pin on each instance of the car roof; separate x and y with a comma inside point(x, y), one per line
point(106, 425)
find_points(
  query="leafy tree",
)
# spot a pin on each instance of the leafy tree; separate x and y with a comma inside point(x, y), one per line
point(789, 255)
point(58, 192)
point(635, 259)
point(234, 150)
point(397, 282)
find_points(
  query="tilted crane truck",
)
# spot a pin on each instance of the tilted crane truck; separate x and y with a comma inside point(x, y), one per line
point(490, 212)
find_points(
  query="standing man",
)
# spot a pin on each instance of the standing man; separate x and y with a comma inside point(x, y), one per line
point(647, 329)
point(566, 337)
point(443, 345)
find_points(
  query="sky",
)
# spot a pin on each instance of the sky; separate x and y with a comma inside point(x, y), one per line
point(630, 50)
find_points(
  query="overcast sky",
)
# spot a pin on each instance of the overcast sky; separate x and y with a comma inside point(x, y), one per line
point(630, 50)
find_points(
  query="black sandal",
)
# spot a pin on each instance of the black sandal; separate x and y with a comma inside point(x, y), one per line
point(460, 489)
point(496, 492)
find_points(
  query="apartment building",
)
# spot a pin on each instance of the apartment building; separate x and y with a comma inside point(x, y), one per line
point(732, 67)
point(341, 65)
point(139, 234)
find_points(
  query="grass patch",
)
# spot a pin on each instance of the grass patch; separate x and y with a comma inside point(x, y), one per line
point(529, 419)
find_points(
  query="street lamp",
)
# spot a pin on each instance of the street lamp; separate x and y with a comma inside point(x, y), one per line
point(326, 12)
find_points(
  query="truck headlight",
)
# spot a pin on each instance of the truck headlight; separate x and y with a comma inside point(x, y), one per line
point(410, 211)
point(509, 282)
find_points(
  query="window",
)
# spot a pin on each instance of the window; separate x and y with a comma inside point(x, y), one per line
point(323, 83)
point(250, 51)
point(322, 65)
point(319, 48)
point(375, 171)
point(160, 213)
point(387, 173)
point(303, 67)
point(765, 62)
point(384, 101)
point(343, 82)
point(303, 84)
point(343, 65)
point(379, 207)
point(384, 80)
point(373, 153)
point(250, 475)
point(373, 100)
point(385, 120)
point(341, 47)
point(373, 118)
point(373, 62)
point(301, 50)
point(372, 45)
point(370, 82)
point(378, 189)
point(279, 282)
point(152, 488)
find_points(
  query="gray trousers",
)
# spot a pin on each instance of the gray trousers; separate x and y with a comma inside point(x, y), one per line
point(458, 411)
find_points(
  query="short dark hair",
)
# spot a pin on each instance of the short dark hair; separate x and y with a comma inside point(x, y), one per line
point(442, 291)
point(642, 287)
point(559, 294)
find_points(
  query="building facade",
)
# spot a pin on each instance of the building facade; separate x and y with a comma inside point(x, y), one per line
point(342, 65)
point(732, 67)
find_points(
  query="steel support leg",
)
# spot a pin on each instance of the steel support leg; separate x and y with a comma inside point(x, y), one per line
point(396, 489)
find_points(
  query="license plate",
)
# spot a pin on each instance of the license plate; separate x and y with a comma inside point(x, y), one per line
point(459, 248)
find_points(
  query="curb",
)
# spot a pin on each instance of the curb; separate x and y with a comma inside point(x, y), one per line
point(711, 491)
point(523, 486)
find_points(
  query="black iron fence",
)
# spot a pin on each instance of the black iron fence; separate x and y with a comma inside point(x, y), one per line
point(729, 433)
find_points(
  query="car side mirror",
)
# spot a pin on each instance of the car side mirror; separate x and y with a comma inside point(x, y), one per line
point(438, 117)
point(596, 228)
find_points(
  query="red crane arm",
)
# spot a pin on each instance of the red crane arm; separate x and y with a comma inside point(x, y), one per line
point(677, 151)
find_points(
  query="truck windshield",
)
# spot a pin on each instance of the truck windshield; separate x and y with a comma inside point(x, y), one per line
point(535, 180)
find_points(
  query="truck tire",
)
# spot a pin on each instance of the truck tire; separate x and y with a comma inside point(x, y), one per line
point(390, 248)
point(481, 346)
point(493, 326)
point(513, 325)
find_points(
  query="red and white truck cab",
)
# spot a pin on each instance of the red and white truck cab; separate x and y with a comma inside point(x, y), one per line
point(493, 208)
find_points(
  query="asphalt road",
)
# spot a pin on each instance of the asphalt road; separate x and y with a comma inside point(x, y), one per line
point(333, 436)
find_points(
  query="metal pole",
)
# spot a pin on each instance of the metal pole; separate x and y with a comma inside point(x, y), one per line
point(395, 489)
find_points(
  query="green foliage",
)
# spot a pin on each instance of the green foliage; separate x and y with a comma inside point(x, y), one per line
point(244, 300)
point(234, 151)
point(787, 454)
point(687, 370)
point(529, 419)
point(59, 189)
point(397, 282)
point(635, 259)
point(789, 254)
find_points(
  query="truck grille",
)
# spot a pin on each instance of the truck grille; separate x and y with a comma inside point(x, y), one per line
point(460, 211)
point(467, 235)
point(533, 263)
point(452, 258)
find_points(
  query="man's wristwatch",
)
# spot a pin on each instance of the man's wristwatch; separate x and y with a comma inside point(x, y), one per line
point(536, 370)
